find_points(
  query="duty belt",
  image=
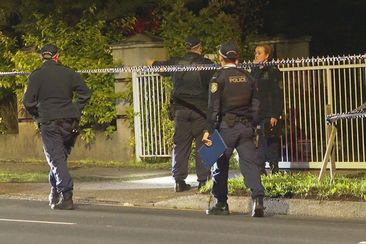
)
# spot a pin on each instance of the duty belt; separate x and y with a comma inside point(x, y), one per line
point(59, 121)
point(231, 119)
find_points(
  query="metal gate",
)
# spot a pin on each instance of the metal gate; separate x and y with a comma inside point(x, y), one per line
point(311, 90)
point(149, 95)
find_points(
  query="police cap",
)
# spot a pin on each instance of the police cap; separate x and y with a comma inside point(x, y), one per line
point(49, 50)
point(191, 42)
point(229, 50)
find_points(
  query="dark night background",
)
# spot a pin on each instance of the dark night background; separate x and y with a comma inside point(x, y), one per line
point(336, 27)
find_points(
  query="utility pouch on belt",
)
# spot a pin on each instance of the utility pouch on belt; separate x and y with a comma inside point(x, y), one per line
point(230, 119)
point(70, 125)
point(75, 127)
point(75, 131)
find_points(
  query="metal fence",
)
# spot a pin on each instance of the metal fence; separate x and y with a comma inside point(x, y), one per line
point(149, 96)
point(311, 90)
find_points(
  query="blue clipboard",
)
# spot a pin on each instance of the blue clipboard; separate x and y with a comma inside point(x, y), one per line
point(210, 155)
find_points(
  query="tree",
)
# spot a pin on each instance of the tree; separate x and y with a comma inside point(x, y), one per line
point(211, 25)
point(17, 16)
point(8, 108)
point(215, 22)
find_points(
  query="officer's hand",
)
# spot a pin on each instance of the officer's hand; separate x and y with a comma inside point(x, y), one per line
point(273, 122)
point(205, 139)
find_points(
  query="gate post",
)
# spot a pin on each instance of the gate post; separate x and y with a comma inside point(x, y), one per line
point(137, 50)
point(137, 116)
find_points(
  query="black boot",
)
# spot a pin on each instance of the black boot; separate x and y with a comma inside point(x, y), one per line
point(66, 202)
point(219, 209)
point(258, 207)
point(53, 198)
point(181, 185)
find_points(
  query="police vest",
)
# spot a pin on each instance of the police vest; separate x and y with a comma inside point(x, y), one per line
point(237, 93)
point(187, 84)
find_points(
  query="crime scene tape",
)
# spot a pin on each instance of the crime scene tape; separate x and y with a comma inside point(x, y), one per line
point(203, 67)
point(348, 115)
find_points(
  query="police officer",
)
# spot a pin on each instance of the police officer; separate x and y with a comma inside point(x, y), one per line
point(233, 108)
point(189, 99)
point(49, 99)
point(268, 80)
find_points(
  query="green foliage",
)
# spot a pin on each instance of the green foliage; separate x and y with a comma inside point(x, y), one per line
point(118, 29)
point(167, 124)
point(17, 177)
point(306, 186)
point(126, 97)
point(8, 108)
point(8, 114)
point(212, 25)
point(6, 45)
point(3, 127)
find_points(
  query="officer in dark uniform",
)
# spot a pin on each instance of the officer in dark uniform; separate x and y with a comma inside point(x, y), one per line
point(270, 95)
point(49, 99)
point(189, 99)
point(233, 110)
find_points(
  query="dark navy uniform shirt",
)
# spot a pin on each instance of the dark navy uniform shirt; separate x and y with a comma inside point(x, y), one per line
point(269, 91)
point(50, 92)
point(190, 86)
point(232, 90)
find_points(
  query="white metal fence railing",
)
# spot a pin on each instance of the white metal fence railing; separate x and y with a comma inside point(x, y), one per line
point(149, 95)
point(311, 90)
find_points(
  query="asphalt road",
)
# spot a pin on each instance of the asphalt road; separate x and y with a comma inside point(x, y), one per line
point(23, 221)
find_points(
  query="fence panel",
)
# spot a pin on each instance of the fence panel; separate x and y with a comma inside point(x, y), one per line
point(149, 95)
point(311, 91)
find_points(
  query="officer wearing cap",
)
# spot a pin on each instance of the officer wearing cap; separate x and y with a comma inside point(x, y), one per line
point(233, 110)
point(189, 100)
point(49, 99)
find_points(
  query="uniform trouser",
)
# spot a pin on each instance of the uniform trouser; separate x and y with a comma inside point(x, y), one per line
point(58, 140)
point(188, 125)
point(240, 137)
point(268, 148)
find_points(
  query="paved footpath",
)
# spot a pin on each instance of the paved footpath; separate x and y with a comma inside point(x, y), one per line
point(154, 188)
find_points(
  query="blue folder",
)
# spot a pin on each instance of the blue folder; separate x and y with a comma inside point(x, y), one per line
point(210, 155)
